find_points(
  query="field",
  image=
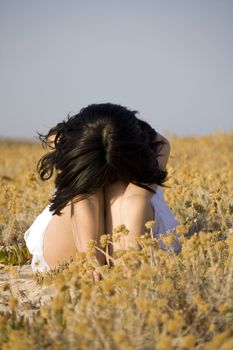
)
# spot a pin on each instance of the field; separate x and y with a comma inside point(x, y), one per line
point(150, 299)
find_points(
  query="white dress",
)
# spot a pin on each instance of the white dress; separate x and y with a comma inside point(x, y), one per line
point(164, 219)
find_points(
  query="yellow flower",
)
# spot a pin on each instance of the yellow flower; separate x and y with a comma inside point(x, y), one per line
point(116, 236)
point(142, 304)
point(169, 239)
point(121, 229)
point(13, 302)
point(197, 299)
point(203, 308)
point(172, 326)
point(58, 303)
point(164, 343)
point(219, 246)
point(203, 236)
point(91, 252)
point(181, 229)
point(217, 342)
point(227, 345)
point(223, 307)
point(81, 328)
point(165, 286)
point(162, 302)
point(44, 312)
point(187, 342)
point(119, 337)
point(107, 285)
point(212, 327)
point(150, 224)
point(18, 340)
point(104, 239)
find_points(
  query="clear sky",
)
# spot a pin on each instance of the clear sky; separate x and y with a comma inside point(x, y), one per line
point(170, 60)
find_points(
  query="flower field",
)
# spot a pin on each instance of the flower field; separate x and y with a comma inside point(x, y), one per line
point(149, 298)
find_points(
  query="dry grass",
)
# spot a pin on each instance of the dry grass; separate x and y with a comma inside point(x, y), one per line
point(150, 299)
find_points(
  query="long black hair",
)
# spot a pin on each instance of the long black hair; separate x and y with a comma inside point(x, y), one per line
point(102, 143)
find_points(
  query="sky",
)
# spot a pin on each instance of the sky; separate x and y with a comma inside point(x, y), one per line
point(171, 60)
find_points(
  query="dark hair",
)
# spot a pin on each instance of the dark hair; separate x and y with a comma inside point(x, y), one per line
point(102, 143)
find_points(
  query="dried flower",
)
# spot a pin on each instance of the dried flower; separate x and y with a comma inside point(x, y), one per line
point(104, 239)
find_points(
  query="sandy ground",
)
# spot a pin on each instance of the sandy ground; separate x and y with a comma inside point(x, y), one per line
point(20, 282)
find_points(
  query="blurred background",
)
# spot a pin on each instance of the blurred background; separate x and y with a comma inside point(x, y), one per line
point(171, 60)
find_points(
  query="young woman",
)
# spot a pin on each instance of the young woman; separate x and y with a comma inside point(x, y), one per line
point(109, 169)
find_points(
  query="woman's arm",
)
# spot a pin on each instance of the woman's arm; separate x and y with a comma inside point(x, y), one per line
point(163, 156)
point(51, 144)
point(164, 152)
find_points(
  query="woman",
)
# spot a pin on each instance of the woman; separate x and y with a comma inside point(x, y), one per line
point(110, 166)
